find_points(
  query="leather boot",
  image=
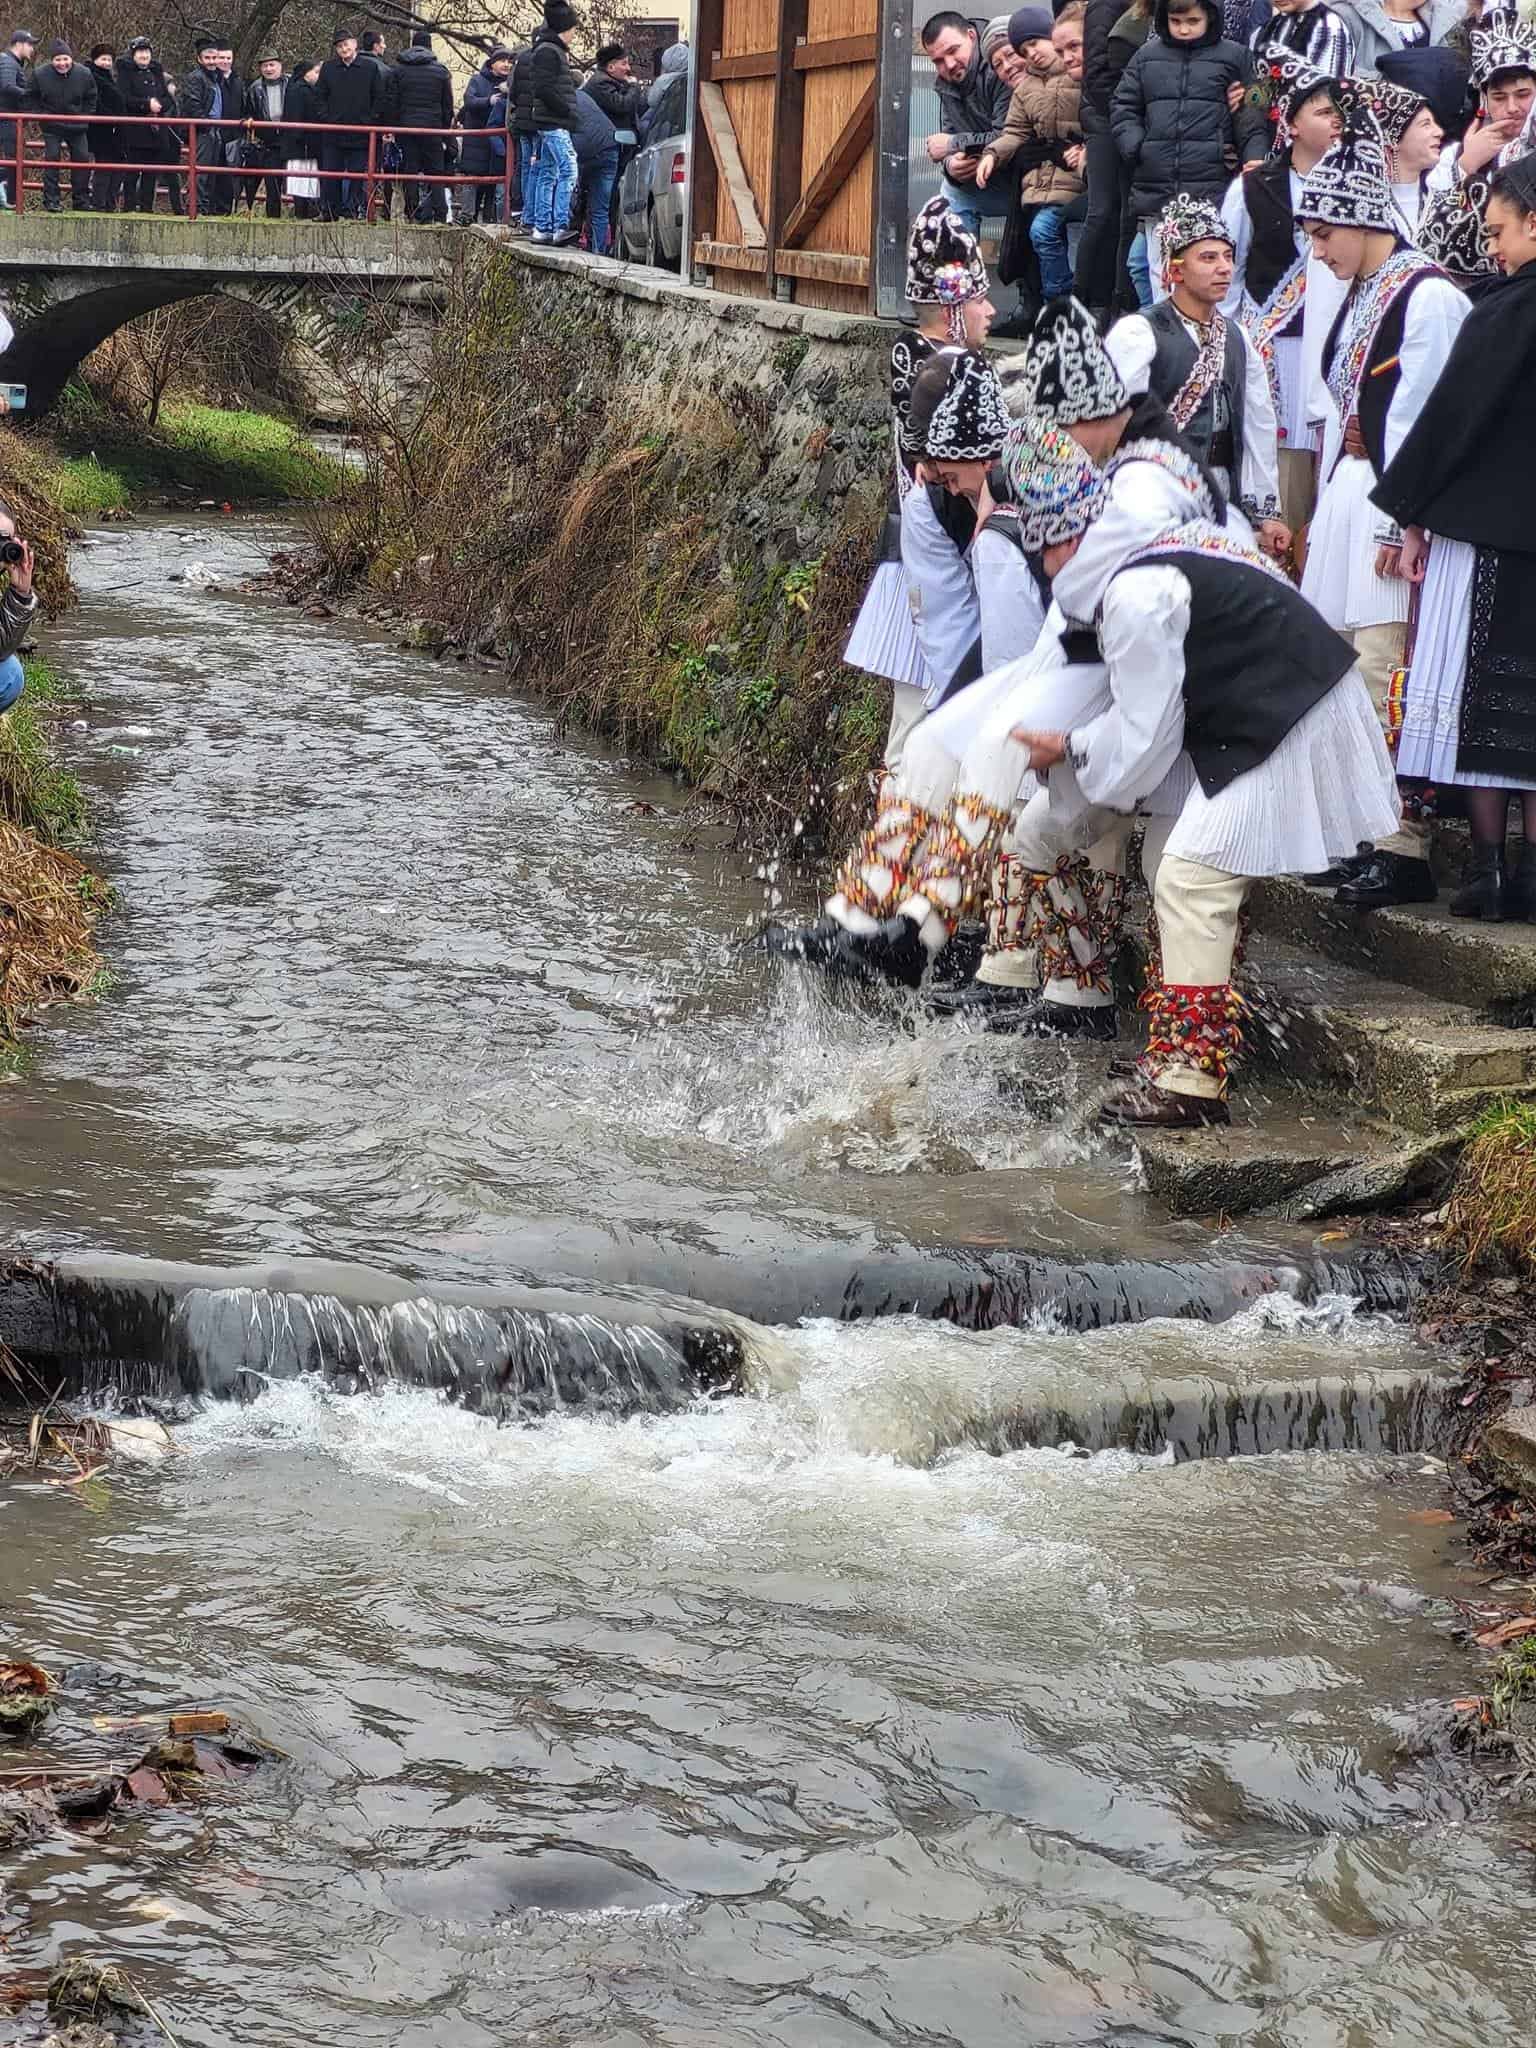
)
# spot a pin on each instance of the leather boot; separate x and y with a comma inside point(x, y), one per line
point(986, 1005)
point(893, 953)
point(1343, 869)
point(1485, 893)
point(1520, 886)
point(1031, 1015)
point(1150, 1108)
point(1386, 879)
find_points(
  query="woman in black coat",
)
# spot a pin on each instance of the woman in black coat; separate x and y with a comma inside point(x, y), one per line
point(301, 145)
point(147, 96)
point(107, 142)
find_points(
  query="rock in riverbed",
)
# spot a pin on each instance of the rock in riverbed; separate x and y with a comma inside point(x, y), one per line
point(1511, 1444)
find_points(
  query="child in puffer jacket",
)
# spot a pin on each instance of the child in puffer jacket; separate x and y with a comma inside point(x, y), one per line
point(1044, 132)
point(1172, 115)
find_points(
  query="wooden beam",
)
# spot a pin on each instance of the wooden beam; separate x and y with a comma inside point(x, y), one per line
point(838, 50)
point(788, 119)
point(825, 265)
point(731, 256)
point(703, 178)
point(752, 64)
point(857, 133)
point(727, 154)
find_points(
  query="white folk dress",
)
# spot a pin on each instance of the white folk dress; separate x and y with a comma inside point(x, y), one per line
point(1290, 329)
point(1437, 673)
point(1347, 530)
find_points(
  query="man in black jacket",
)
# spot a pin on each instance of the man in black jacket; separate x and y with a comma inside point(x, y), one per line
point(418, 93)
point(612, 86)
point(107, 144)
point(264, 98)
point(973, 105)
point(349, 92)
point(206, 96)
point(553, 85)
point(62, 86)
point(15, 84)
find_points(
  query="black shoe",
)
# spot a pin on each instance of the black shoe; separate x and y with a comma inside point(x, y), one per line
point(956, 964)
point(1386, 879)
point(1025, 1013)
point(1159, 1109)
point(989, 1005)
point(1344, 870)
point(1485, 892)
point(894, 952)
point(1520, 887)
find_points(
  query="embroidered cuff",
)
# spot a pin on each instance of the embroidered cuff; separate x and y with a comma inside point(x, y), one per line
point(1260, 509)
point(1077, 755)
point(1389, 534)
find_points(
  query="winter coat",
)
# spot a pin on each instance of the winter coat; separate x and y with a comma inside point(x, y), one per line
point(623, 104)
point(1318, 34)
point(1099, 73)
point(593, 133)
point(974, 110)
point(520, 94)
point(1170, 118)
point(148, 138)
point(63, 92)
point(418, 93)
point(301, 102)
point(1045, 111)
point(475, 158)
point(270, 141)
point(349, 94)
point(108, 143)
point(15, 82)
point(675, 59)
point(554, 83)
point(1371, 26)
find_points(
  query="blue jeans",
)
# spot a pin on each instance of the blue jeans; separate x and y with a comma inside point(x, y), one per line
point(1048, 236)
point(11, 679)
point(600, 182)
point(527, 145)
point(554, 180)
point(970, 204)
point(1139, 264)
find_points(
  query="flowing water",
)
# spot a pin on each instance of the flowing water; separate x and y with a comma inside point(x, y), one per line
point(811, 1717)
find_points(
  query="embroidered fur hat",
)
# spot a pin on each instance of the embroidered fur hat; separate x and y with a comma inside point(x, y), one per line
point(1391, 107)
point(1284, 82)
point(944, 266)
point(1349, 189)
point(957, 408)
point(1068, 376)
point(1185, 221)
point(1509, 45)
point(1056, 490)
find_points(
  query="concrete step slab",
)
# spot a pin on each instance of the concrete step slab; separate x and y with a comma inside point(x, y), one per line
point(1489, 967)
point(1279, 1160)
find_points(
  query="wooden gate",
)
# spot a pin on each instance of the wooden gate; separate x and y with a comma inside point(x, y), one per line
point(784, 149)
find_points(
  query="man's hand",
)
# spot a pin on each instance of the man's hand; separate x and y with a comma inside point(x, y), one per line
point(1045, 748)
point(1389, 562)
point(1483, 143)
point(21, 572)
point(1076, 155)
point(5, 405)
point(985, 169)
point(939, 147)
point(1237, 92)
point(1413, 556)
point(1274, 537)
point(961, 169)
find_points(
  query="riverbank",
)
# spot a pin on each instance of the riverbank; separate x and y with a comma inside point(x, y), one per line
point(103, 462)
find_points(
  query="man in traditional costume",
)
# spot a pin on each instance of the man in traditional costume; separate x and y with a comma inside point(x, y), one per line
point(950, 812)
point(1387, 346)
point(1285, 299)
point(1204, 368)
point(1413, 139)
point(1460, 487)
point(1236, 716)
point(1451, 224)
point(919, 625)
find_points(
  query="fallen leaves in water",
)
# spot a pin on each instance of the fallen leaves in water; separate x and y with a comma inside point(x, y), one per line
point(1506, 1632)
point(24, 1703)
point(1430, 1516)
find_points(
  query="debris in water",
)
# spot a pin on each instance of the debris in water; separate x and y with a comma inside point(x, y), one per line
point(91, 1991)
point(24, 1702)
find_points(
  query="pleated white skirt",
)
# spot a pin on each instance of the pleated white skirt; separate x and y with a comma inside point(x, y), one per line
point(1340, 577)
point(1437, 675)
point(884, 639)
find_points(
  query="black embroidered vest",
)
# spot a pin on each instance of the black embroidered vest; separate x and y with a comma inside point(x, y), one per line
point(1257, 657)
point(1272, 251)
point(1215, 428)
point(1383, 370)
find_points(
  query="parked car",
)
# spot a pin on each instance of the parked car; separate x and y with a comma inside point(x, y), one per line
point(653, 192)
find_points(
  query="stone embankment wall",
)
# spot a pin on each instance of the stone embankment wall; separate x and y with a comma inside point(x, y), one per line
point(660, 506)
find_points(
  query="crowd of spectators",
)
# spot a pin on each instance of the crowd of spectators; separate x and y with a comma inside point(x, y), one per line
point(277, 139)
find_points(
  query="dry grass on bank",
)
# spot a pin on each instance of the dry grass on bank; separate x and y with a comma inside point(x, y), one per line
point(49, 904)
point(1493, 1202)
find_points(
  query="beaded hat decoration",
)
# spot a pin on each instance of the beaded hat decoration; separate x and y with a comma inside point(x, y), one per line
point(944, 266)
point(1068, 375)
point(969, 423)
point(1508, 45)
point(1348, 188)
point(1391, 107)
point(1284, 82)
point(1056, 490)
point(1185, 221)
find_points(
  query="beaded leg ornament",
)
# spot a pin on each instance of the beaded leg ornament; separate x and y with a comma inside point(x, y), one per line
point(1012, 892)
point(874, 877)
point(1075, 914)
point(957, 859)
point(1193, 1027)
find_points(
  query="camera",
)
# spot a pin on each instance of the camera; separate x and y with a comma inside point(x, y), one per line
point(11, 551)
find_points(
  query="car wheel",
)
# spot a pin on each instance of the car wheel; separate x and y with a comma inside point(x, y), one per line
point(653, 249)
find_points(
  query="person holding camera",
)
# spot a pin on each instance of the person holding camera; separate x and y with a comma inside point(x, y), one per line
point(17, 606)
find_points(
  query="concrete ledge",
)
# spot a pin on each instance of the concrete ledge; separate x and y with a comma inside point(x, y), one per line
point(241, 247)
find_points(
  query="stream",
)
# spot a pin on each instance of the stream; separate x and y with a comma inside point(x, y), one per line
point(807, 1717)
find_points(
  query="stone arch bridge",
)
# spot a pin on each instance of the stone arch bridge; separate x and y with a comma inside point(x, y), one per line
point(67, 281)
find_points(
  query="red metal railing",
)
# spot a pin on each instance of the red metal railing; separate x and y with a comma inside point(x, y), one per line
point(18, 164)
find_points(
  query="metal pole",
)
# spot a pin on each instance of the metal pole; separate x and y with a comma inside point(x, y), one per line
point(191, 170)
point(21, 163)
point(373, 158)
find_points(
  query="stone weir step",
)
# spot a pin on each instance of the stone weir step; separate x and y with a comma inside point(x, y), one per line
point(1489, 967)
